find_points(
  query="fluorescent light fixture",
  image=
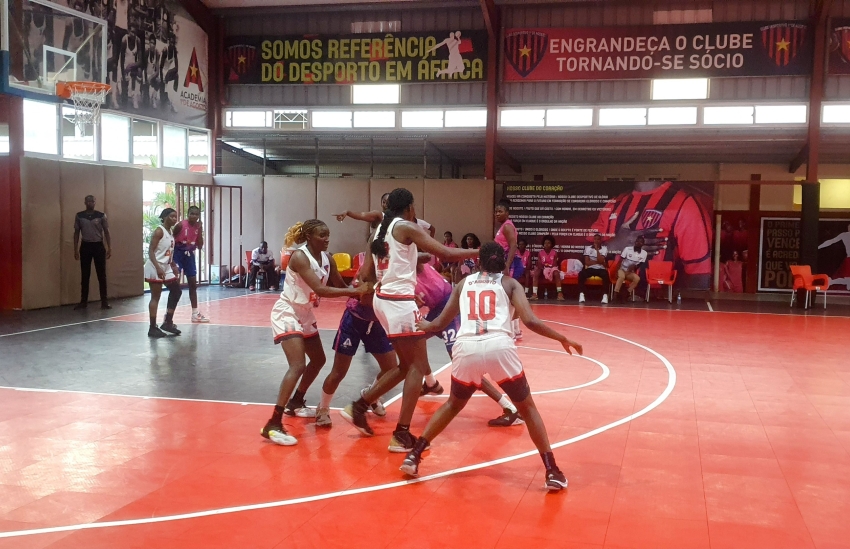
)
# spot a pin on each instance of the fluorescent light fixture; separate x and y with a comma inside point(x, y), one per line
point(522, 118)
point(836, 114)
point(375, 94)
point(251, 119)
point(781, 114)
point(374, 119)
point(728, 115)
point(672, 116)
point(685, 88)
point(421, 119)
point(467, 119)
point(569, 117)
point(331, 119)
point(622, 117)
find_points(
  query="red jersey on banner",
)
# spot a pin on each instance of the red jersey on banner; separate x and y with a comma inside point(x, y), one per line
point(676, 212)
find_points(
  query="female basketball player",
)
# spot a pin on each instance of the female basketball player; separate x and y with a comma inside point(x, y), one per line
point(485, 345)
point(189, 237)
point(506, 237)
point(160, 270)
point(293, 323)
point(394, 258)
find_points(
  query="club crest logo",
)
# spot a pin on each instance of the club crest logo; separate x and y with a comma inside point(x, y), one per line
point(841, 41)
point(650, 219)
point(525, 50)
point(783, 41)
point(193, 73)
point(242, 60)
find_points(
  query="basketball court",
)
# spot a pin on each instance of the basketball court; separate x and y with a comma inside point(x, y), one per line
point(680, 427)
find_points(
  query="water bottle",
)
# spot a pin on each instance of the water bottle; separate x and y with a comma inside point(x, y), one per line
point(679, 299)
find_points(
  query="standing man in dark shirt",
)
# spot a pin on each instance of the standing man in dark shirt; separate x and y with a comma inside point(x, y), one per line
point(92, 225)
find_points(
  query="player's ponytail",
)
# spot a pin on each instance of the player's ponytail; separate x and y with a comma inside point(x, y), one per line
point(297, 234)
point(398, 201)
point(491, 257)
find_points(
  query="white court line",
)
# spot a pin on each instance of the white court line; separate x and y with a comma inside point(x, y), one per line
point(109, 318)
point(710, 308)
point(671, 383)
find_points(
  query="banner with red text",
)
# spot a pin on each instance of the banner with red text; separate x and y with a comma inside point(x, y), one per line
point(751, 48)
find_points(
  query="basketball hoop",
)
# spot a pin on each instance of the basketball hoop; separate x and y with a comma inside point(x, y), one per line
point(87, 98)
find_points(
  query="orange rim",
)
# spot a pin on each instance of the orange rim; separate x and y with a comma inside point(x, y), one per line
point(68, 89)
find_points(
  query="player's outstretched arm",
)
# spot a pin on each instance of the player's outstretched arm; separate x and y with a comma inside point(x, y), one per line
point(425, 243)
point(371, 217)
point(301, 265)
point(451, 310)
point(516, 293)
point(830, 242)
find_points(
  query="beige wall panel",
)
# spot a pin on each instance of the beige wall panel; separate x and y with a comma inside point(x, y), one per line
point(460, 206)
point(377, 187)
point(41, 233)
point(288, 201)
point(77, 181)
point(733, 197)
point(337, 195)
point(123, 207)
point(777, 198)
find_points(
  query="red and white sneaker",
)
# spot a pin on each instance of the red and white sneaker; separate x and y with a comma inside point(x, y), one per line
point(199, 318)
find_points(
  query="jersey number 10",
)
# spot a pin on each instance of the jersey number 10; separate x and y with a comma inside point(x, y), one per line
point(482, 310)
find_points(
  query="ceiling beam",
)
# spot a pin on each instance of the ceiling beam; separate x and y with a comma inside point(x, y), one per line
point(273, 164)
point(505, 157)
point(799, 160)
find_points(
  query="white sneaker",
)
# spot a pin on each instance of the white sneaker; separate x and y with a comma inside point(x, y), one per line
point(305, 412)
point(199, 318)
point(377, 407)
point(605, 299)
point(323, 417)
point(581, 298)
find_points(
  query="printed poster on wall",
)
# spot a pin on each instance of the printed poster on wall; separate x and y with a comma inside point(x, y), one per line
point(751, 48)
point(402, 57)
point(156, 60)
point(839, 47)
point(675, 219)
point(780, 248)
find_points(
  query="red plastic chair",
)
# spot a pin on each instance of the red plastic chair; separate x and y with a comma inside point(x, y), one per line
point(660, 274)
point(355, 266)
point(805, 280)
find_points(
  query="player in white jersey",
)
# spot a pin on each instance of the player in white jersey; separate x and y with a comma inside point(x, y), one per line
point(374, 217)
point(160, 270)
point(392, 262)
point(486, 302)
point(309, 271)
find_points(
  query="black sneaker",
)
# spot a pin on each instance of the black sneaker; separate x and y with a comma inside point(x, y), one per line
point(275, 432)
point(555, 480)
point(298, 408)
point(410, 465)
point(170, 327)
point(402, 442)
point(155, 332)
point(437, 389)
point(356, 415)
point(507, 419)
point(80, 306)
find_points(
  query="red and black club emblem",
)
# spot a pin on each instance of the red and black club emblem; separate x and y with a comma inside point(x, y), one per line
point(525, 50)
point(242, 59)
point(783, 41)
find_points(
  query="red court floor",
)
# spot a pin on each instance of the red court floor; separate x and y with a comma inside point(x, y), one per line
point(710, 430)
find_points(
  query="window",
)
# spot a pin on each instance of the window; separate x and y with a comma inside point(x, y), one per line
point(728, 115)
point(199, 151)
point(422, 119)
point(374, 119)
point(466, 119)
point(781, 114)
point(836, 114)
point(290, 120)
point(40, 127)
point(672, 116)
point(685, 88)
point(114, 137)
point(622, 117)
point(248, 119)
point(4, 138)
point(375, 94)
point(145, 143)
point(522, 118)
point(569, 117)
point(76, 142)
point(173, 147)
point(359, 27)
point(331, 119)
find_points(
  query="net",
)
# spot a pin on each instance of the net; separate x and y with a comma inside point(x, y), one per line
point(87, 98)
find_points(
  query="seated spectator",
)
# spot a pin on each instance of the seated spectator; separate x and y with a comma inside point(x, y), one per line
point(595, 264)
point(262, 258)
point(633, 258)
point(469, 242)
point(547, 266)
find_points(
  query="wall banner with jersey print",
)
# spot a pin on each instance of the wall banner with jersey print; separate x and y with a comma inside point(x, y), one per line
point(156, 59)
point(780, 248)
point(675, 219)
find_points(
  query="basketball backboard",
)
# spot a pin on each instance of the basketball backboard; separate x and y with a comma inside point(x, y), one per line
point(46, 42)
